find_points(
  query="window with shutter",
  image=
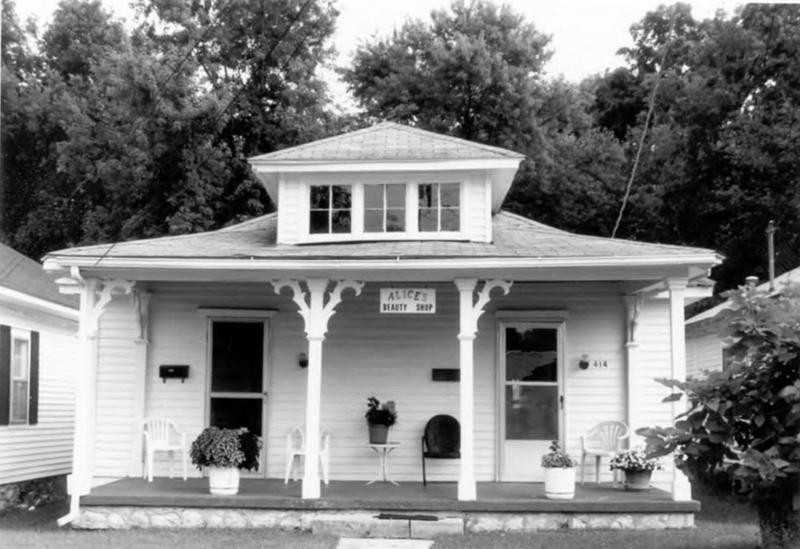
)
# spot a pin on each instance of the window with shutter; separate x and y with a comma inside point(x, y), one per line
point(19, 376)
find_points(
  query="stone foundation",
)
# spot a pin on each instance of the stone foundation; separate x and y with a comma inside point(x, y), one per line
point(33, 493)
point(367, 523)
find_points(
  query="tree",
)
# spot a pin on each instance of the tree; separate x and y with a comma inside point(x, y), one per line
point(113, 136)
point(471, 71)
point(744, 422)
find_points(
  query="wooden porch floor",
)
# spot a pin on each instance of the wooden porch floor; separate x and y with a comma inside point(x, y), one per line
point(503, 497)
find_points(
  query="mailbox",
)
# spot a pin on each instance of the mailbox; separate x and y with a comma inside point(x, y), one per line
point(173, 371)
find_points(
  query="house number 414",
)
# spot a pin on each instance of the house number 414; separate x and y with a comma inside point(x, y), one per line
point(599, 364)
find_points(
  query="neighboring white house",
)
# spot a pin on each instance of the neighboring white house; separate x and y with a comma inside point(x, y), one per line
point(705, 349)
point(389, 258)
point(38, 354)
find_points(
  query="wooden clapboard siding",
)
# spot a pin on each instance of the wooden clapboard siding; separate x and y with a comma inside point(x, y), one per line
point(45, 449)
point(291, 200)
point(115, 385)
point(593, 327)
point(703, 352)
point(654, 361)
point(476, 217)
point(391, 357)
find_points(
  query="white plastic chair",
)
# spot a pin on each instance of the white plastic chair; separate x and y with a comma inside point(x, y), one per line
point(162, 435)
point(602, 440)
point(296, 448)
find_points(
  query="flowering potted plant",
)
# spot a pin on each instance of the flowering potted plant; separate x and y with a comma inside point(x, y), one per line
point(223, 452)
point(638, 467)
point(379, 418)
point(559, 473)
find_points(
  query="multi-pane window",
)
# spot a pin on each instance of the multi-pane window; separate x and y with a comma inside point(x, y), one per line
point(384, 208)
point(20, 379)
point(439, 207)
point(330, 209)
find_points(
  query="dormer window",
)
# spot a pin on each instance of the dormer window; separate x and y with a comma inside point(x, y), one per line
point(439, 207)
point(384, 208)
point(330, 211)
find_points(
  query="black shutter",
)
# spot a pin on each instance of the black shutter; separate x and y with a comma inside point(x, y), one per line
point(33, 387)
point(5, 373)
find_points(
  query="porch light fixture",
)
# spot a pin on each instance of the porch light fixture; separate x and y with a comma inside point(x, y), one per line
point(302, 360)
point(583, 363)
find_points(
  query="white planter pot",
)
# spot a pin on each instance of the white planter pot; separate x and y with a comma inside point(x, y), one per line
point(223, 481)
point(559, 482)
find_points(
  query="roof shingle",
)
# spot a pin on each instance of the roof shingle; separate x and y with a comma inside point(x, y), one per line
point(387, 141)
point(25, 275)
point(514, 236)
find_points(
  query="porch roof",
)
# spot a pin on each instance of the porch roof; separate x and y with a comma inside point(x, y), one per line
point(514, 237)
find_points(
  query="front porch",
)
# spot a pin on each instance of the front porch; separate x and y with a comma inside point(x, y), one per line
point(353, 508)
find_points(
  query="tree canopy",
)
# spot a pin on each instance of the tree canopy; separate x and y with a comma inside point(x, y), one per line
point(110, 133)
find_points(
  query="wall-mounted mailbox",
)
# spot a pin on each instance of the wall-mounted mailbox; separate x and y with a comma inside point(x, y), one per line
point(446, 374)
point(173, 371)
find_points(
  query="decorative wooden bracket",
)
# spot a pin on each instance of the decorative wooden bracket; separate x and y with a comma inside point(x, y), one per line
point(633, 306)
point(315, 306)
point(141, 307)
point(469, 321)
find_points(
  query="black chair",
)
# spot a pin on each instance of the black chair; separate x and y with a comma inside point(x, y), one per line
point(441, 440)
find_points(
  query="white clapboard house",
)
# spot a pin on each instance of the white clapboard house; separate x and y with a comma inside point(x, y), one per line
point(388, 270)
point(38, 357)
point(706, 349)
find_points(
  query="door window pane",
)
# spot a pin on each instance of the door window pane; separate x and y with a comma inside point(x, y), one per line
point(531, 412)
point(532, 354)
point(232, 413)
point(237, 357)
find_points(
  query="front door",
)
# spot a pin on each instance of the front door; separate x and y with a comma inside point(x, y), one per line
point(530, 395)
point(237, 395)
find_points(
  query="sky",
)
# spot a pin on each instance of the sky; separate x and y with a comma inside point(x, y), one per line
point(586, 34)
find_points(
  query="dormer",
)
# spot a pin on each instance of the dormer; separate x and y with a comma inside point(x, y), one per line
point(386, 182)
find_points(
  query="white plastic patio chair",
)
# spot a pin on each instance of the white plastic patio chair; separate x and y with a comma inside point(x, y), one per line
point(162, 435)
point(296, 448)
point(602, 440)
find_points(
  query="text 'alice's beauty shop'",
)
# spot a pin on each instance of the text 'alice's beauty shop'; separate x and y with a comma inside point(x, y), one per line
point(408, 300)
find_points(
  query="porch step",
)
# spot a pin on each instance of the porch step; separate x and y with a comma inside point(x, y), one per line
point(383, 543)
point(395, 526)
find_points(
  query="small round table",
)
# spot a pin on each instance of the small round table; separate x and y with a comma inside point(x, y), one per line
point(383, 451)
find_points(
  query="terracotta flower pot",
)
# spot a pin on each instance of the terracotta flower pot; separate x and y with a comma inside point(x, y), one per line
point(378, 434)
point(559, 482)
point(223, 481)
point(637, 480)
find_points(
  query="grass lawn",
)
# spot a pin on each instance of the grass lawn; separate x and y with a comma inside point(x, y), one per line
point(721, 524)
point(37, 529)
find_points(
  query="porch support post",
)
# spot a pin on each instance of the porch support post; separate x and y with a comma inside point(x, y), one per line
point(315, 312)
point(141, 312)
point(681, 488)
point(469, 313)
point(94, 295)
point(633, 304)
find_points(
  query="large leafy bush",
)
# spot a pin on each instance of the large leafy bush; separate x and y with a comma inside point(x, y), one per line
point(744, 423)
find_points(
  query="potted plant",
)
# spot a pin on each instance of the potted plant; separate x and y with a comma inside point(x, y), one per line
point(223, 452)
point(559, 473)
point(379, 418)
point(638, 468)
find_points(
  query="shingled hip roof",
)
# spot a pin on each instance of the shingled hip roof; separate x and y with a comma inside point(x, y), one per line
point(515, 238)
point(387, 141)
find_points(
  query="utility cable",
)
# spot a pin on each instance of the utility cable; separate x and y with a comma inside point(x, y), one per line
point(650, 109)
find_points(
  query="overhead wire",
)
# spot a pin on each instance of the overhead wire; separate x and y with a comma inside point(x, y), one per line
point(648, 117)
